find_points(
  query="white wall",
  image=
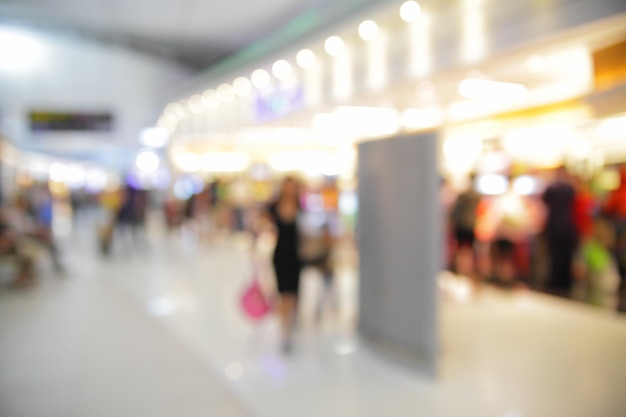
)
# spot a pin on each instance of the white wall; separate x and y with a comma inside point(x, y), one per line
point(79, 75)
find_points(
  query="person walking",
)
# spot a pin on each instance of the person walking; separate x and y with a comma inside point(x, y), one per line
point(284, 213)
point(463, 220)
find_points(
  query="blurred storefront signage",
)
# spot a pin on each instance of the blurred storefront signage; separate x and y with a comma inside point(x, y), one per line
point(47, 121)
point(609, 66)
point(276, 102)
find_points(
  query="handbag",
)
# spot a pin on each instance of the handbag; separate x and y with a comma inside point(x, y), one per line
point(253, 302)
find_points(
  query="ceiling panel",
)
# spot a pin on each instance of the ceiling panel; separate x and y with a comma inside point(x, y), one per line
point(195, 32)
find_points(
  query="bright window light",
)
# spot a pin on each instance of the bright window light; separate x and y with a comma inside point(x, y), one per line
point(210, 100)
point(242, 86)
point(281, 69)
point(154, 137)
point(410, 11)
point(260, 78)
point(225, 93)
point(477, 89)
point(147, 161)
point(334, 46)
point(305, 59)
point(195, 105)
point(368, 30)
point(19, 50)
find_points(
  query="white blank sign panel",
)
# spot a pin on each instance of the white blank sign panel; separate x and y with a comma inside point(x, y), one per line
point(400, 251)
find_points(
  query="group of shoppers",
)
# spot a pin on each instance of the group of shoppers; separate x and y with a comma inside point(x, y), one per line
point(228, 206)
point(220, 206)
point(125, 217)
point(581, 236)
point(26, 224)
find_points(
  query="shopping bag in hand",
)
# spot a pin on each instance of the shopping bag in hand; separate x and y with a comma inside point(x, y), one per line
point(253, 301)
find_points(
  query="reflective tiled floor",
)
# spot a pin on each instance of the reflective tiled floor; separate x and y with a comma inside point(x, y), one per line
point(157, 331)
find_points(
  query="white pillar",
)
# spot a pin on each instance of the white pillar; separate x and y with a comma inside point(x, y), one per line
point(400, 250)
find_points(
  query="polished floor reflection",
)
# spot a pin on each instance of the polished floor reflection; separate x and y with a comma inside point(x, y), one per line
point(157, 330)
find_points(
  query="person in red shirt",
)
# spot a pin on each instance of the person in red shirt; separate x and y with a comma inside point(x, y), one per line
point(615, 208)
point(584, 209)
point(616, 203)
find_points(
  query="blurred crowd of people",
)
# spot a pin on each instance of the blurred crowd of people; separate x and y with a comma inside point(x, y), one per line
point(562, 239)
point(26, 232)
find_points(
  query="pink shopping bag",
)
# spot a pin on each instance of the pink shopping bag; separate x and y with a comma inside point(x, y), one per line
point(253, 301)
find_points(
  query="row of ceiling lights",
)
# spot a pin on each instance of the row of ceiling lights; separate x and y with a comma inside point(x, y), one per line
point(281, 70)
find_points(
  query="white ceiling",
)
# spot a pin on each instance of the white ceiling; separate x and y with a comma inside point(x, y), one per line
point(195, 32)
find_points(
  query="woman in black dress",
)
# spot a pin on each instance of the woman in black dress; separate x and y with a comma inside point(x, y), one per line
point(287, 263)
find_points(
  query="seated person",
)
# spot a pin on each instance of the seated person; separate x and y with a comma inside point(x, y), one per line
point(9, 253)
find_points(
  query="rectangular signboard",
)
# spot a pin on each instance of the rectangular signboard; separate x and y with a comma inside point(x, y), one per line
point(52, 121)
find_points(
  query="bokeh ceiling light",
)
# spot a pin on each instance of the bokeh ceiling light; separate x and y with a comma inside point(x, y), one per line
point(187, 161)
point(481, 89)
point(147, 161)
point(225, 93)
point(171, 118)
point(154, 137)
point(57, 172)
point(165, 123)
point(209, 99)
point(305, 59)
point(536, 64)
point(175, 109)
point(334, 46)
point(19, 50)
point(75, 176)
point(368, 30)
point(242, 86)
point(260, 78)
point(281, 69)
point(410, 11)
point(195, 105)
